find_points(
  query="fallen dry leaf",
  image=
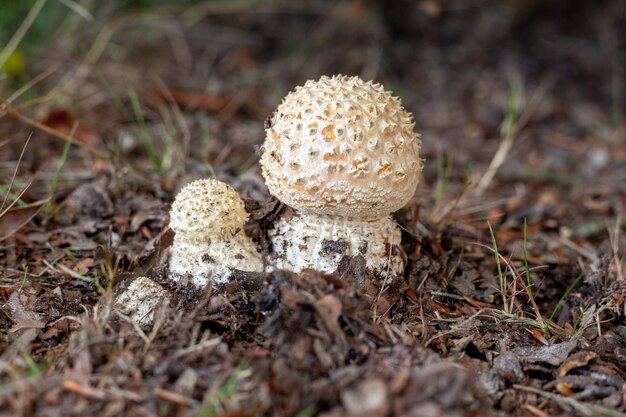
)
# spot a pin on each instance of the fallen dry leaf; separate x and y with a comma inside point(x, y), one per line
point(63, 121)
point(564, 389)
point(538, 335)
point(16, 217)
point(576, 361)
point(82, 267)
point(554, 354)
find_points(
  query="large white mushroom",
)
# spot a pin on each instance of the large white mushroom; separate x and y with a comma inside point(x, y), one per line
point(208, 218)
point(342, 152)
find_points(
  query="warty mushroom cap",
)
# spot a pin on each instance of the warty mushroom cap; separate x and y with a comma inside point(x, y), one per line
point(342, 146)
point(206, 209)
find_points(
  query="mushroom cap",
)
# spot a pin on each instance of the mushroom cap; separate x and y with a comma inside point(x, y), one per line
point(342, 146)
point(207, 209)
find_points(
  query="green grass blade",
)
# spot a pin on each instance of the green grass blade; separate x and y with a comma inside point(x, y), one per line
point(87, 278)
point(225, 392)
point(307, 412)
point(144, 135)
point(34, 370)
point(5, 189)
point(57, 174)
point(526, 268)
point(569, 289)
point(497, 255)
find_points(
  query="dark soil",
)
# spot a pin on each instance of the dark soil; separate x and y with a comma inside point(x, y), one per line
point(163, 96)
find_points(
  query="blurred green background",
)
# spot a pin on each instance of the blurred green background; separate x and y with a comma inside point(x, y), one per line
point(54, 12)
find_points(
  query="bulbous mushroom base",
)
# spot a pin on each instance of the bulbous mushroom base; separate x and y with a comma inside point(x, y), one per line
point(320, 241)
point(201, 263)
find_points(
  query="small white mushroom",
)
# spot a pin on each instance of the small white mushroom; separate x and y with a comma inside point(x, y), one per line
point(208, 218)
point(140, 300)
point(343, 153)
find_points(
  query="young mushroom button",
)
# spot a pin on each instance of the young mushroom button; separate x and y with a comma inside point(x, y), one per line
point(342, 152)
point(208, 218)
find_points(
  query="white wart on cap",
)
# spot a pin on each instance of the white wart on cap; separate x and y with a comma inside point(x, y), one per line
point(208, 217)
point(341, 148)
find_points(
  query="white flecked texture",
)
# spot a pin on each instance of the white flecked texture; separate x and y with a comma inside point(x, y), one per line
point(140, 300)
point(344, 154)
point(206, 210)
point(320, 241)
point(201, 263)
point(208, 217)
point(342, 146)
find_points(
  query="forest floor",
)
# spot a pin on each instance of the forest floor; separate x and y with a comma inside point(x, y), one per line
point(513, 297)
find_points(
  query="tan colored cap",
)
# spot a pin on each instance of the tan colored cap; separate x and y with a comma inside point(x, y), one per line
point(206, 209)
point(342, 146)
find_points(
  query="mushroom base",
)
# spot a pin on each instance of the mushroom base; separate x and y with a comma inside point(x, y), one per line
point(201, 263)
point(321, 241)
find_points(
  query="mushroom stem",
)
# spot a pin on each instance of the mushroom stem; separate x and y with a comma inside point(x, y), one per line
point(320, 241)
point(202, 260)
